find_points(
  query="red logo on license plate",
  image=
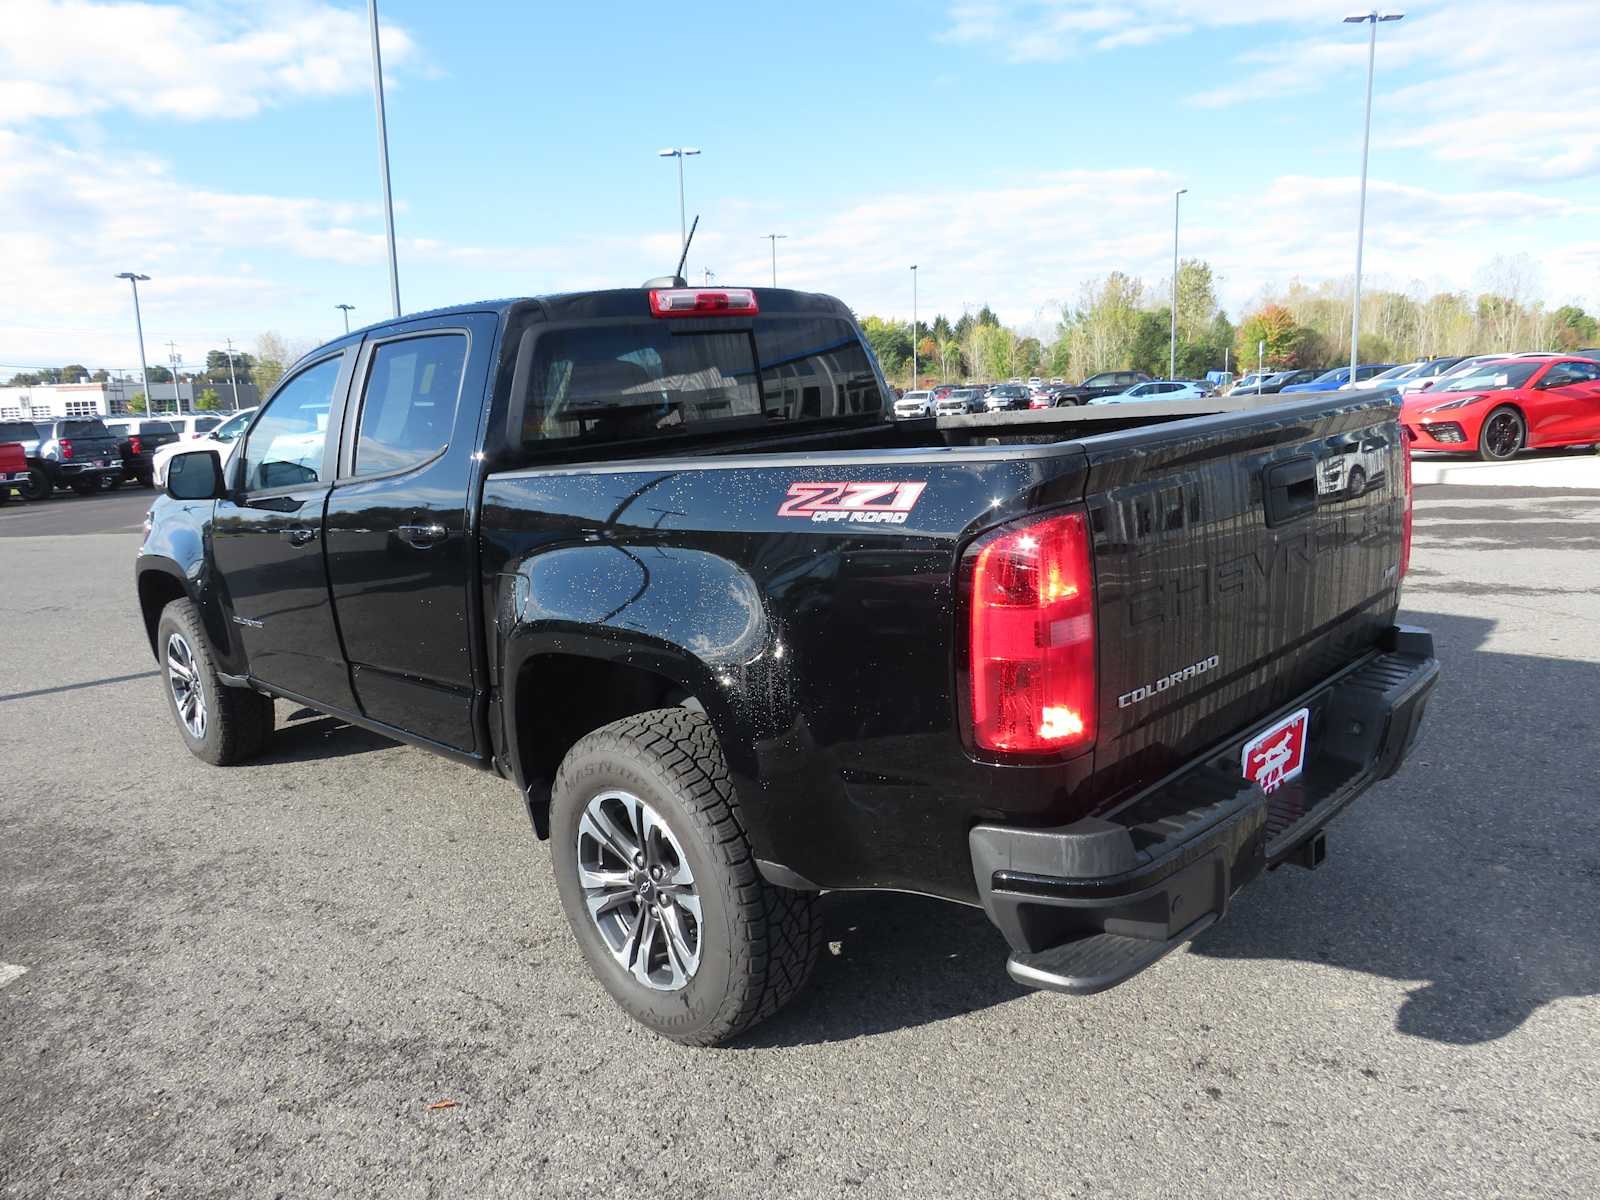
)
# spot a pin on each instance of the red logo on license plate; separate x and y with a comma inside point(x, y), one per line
point(1278, 754)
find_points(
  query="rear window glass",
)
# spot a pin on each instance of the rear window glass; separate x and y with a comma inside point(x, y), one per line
point(156, 427)
point(82, 429)
point(17, 431)
point(648, 379)
point(201, 424)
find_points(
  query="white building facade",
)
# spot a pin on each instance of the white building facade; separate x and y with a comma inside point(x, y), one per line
point(43, 401)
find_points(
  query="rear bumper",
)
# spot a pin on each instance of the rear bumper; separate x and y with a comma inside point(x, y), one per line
point(1087, 905)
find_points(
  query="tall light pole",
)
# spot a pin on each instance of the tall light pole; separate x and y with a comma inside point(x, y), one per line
point(1172, 353)
point(232, 377)
point(345, 308)
point(774, 238)
point(680, 153)
point(913, 326)
point(136, 279)
point(383, 154)
point(1372, 17)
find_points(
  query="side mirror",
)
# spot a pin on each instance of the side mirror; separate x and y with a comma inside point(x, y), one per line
point(196, 475)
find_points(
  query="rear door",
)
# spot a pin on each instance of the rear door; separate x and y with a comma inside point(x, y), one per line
point(267, 537)
point(1230, 577)
point(399, 526)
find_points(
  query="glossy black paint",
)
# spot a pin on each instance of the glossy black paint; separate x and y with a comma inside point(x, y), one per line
point(402, 562)
point(828, 654)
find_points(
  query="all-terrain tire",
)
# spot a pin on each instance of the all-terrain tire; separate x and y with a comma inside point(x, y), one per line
point(758, 943)
point(236, 723)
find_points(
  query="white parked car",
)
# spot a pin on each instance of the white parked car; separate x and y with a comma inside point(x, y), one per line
point(1156, 389)
point(914, 404)
point(221, 437)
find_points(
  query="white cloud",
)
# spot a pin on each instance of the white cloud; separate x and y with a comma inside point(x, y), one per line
point(75, 58)
point(1508, 93)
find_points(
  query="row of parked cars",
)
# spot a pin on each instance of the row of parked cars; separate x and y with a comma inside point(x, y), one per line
point(1107, 387)
point(90, 454)
point(1493, 406)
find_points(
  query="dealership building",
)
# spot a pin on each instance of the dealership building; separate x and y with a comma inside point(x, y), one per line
point(43, 401)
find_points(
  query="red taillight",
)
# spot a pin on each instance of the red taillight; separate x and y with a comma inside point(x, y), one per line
point(66, 448)
point(1405, 521)
point(135, 446)
point(698, 302)
point(1032, 638)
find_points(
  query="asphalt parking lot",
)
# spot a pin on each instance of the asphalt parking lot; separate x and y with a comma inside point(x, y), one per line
point(257, 981)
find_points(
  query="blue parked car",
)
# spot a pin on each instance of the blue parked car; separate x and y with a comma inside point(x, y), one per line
point(1332, 381)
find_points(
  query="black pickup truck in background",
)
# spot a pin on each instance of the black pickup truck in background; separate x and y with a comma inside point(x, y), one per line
point(658, 558)
point(76, 452)
point(138, 439)
point(1106, 383)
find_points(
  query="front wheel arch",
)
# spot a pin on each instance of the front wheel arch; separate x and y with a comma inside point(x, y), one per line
point(1483, 430)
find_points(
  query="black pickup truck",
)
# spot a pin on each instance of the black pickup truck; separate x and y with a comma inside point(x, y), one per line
point(1106, 383)
point(659, 558)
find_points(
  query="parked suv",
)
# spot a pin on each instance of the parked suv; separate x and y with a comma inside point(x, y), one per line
point(139, 438)
point(18, 442)
point(76, 452)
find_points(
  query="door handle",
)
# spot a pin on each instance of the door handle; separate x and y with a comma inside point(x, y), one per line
point(303, 536)
point(422, 536)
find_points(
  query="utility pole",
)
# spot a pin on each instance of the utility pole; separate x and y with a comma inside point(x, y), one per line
point(1374, 17)
point(232, 377)
point(173, 360)
point(136, 279)
point(383, 154)
point(774, 238)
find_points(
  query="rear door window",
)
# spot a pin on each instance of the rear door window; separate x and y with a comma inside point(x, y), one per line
point(409, 405)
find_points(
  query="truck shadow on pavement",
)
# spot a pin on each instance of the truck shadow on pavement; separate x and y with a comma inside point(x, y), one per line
point(310, 736)
point(1474, 874)
point(1476, 870)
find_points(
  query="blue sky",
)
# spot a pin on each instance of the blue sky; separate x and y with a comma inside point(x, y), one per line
point(1014, 149)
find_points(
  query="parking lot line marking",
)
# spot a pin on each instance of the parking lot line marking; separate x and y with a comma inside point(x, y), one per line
point(9, 973)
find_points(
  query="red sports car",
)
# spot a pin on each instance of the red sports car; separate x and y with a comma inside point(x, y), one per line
point(1508, 405)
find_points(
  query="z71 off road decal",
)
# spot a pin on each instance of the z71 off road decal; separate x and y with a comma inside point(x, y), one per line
point(866, 503)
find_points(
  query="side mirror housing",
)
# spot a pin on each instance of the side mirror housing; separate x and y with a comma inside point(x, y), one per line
point(196, 475)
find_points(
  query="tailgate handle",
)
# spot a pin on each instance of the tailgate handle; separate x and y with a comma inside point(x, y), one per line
point(1291, 489)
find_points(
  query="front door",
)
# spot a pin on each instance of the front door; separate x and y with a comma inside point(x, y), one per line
point(399, 538)
point(1567, 405)
point(267, 539)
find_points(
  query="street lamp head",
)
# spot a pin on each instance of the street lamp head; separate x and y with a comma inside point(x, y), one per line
point(1181, 192)
point(913, 266)
point(134, 275)
point(1374, 15)
point(691, 150)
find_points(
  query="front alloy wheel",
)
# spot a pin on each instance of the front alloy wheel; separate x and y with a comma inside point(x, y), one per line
point(188, 694)
point(1502, 436)
point(639, 890)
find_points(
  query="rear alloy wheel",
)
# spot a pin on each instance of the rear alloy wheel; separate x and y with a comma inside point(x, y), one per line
point(660, 886)
point(1503, 434)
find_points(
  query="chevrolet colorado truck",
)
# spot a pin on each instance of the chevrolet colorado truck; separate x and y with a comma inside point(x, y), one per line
point(660, 558)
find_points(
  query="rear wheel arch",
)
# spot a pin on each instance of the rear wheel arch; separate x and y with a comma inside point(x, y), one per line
point(558, 698)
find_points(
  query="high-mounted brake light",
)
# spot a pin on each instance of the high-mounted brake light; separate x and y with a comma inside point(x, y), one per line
point(1405, 521)
point(66, 447)
point(1032, 638)
point(700, 302)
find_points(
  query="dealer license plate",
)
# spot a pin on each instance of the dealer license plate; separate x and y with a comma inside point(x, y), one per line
point(1278, 753)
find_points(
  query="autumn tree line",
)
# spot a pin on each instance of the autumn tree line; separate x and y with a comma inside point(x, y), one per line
point(1118, 323)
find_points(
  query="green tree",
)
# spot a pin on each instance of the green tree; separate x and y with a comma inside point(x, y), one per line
point(272, 359)
point(138, 404)
point(74, 373)
point(986, 317)
point(24, 379)
point(1574, 328)
point(890, 342)
point(159, 374)
point(206, 401)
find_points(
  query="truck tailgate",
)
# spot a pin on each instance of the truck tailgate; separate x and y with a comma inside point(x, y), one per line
point(1239, 559)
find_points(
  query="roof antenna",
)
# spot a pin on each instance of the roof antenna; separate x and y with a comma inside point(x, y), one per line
point(676, 280)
